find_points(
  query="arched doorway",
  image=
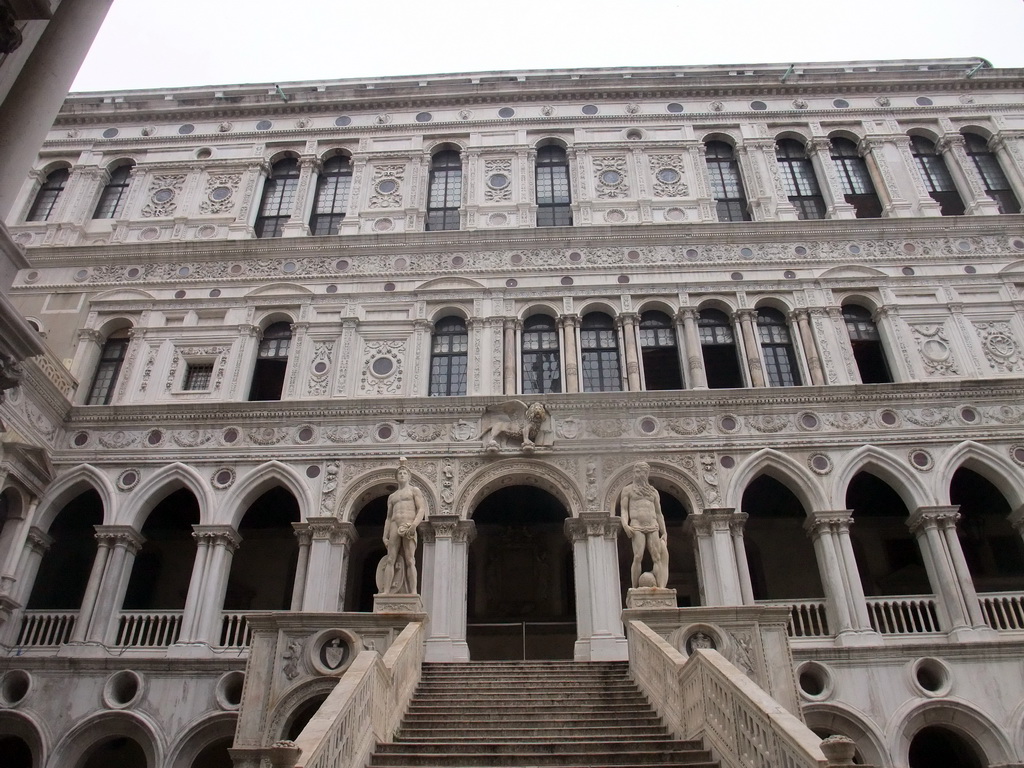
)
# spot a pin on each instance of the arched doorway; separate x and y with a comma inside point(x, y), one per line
point(938, 747)
point(263, 568)
point(215, 755)
point(16, 752)
point(116, 752)
point(780, 556)
point(520, 598)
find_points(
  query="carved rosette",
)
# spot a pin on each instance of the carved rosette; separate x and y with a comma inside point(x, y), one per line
point(1000, 348)
point(220, 192)
point(164, 190)
point(387, 186)
point(668, 175)
point(935, 349)
point(610, 178)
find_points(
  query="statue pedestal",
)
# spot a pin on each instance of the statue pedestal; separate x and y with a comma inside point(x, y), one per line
point(650, 597)
point(397, 603)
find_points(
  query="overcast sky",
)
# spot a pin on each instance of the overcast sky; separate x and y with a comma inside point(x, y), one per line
point(145, 44)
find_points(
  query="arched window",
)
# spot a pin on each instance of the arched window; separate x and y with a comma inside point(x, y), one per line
point(658, 352)
point(108, 368)
point(798, 179)
point(867, 345)
point(332, 189)
point(449, 357)
point(997, 186)
point(46, 198)
point(777, 348)
point(271, 363)
point(599, 348)
point(278, 198)
point(858, 189)
point(542, 360)
point(726, 183)
point(718, 347)
point(936, 176)
point(114, 194)
point(553, 195)
point(445, 194)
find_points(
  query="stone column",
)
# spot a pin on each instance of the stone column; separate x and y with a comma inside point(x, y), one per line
point(446, 541)
point(692, 352)
point(36, 544)
point(873, 150)
point(627, 323)
point(253, 180)
point(36, 95)
point(772, 200)
point(206, 587)
point(305, 538)
point(122, 543)
point(87, 356)
point(802, 321)
point(298, 224)
point(10, 552)
point(600, 636)
point(736, 527)
point(923, 205)
point(720, 550)
point(1006, 146)
point(509, 355)
point(844, 598)
point(570, 325)
point(956, 600)
point(819, 150)
point(324, 575)
point(745, 319)
point(953, 148)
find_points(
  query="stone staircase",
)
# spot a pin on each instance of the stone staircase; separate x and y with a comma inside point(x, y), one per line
point(565, 714)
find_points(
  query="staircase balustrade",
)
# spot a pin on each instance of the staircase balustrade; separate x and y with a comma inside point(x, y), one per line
point(41, 629)
point(234, 630)
point(906, 615)
point(365, 707)
point(706, 697)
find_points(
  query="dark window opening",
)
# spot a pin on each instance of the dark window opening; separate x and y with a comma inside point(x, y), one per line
point(444, 195)
point(271, 363)
point(777, 349)
point(198, 377)
point(868, 352)
point(542, 360)
point(263, 567)
point(117, 752)
point(553, 196)
point(65, 567)
point(599, 350)
point(332, 191)
point(937, 747)
point(936, 176)
point(658, 352)
point(162, 569)
point(992, 548)
point(997, 186)
point(278, 198)
point(115, 194)
point(108, 369)
point(726, 182)
point(798, 179)
point(855, 180)
point(718, 347)
point(449, 358)
point(45, 204)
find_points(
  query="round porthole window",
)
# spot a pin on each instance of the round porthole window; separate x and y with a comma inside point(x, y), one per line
point(668, 175)
point(218, 194)
point(387, 186)
point(342, 121)
point(590, 109)
point(675, 108)
point(506, 112)
point(497, 181)
point(186, 129)
point(382, 366)
point(264, 125)
point(163, 195)
point(611, 177)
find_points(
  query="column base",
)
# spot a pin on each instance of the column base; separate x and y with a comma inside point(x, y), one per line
point(972, 634)
point(601, 648)
point(445, 649)
point(651, 597)
point(858, 637)
point(383, 603)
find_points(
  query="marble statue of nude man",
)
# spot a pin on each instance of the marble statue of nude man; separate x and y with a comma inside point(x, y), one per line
point(644, 523)
point(406, 510)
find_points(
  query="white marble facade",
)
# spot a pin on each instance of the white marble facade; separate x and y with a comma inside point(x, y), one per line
point(219, 415)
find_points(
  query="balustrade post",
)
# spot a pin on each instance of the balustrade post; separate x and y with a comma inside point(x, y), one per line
point(446, 541)
point(599, 632)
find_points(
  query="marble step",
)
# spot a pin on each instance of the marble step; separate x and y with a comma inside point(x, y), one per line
point(526, 757)
point(664, 745)
point(552, 733)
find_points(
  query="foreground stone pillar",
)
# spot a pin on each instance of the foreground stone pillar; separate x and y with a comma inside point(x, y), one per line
point(323, 577)
point(627, 321)
point(599, 632)
point(751, 347)
point(445, 575)
point(120, 543)
point(692, 353)
point(844, 596)
point(719, 555)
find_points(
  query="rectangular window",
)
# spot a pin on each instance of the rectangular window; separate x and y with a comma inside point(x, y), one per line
point(198, 377)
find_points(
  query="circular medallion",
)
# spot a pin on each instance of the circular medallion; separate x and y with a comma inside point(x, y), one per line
point(668, 175)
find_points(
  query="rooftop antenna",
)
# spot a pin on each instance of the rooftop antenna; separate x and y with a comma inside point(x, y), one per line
point(788, 73)
point(282, 94)
point(976, 68)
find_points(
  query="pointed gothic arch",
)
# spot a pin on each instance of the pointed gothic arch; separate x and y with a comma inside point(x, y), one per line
point(885, 466)
point(154, 488)
point(258, 481)
point(782, 467)
point(520, 471)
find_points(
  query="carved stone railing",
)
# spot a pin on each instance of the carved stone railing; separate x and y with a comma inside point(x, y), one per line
point(807, 618)
point(234, 630)
point(1003, 611)
point(903, 615)
point(706, 697)
point(366, 707)
point(42, 629)
point(148, 629)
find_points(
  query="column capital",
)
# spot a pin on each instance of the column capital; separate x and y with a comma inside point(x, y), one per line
point(923, 518)
point(819, 144)
point(821, 521)
point(1017, 519)
point(447, 527)
point(801, 313)
point(950, 141)
point(90, 334)
point(687, 313)
point(592, 525)
point(120, 535)
point(714, 519)
point(223, 535)
point(570, 320)
point(326, 529)
point(38, 539)
point(745, 315)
